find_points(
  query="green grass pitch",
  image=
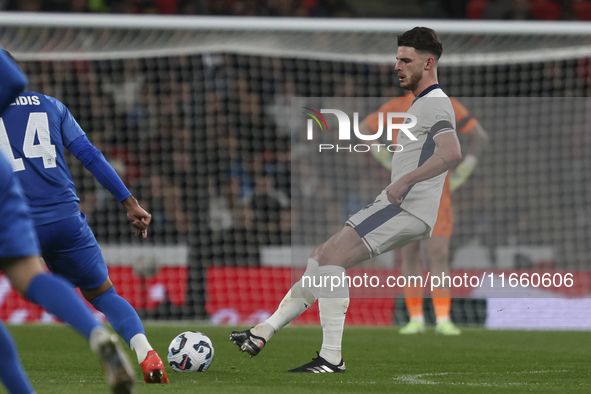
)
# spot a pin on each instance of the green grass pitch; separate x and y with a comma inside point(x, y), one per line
point(378, 360)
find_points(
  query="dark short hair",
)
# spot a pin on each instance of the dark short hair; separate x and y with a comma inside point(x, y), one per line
point(422, 39)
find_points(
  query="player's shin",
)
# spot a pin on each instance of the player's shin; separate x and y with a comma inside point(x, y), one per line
point(413, 297)
point(299, 298)
point(441, 304)
point(124, 320)
point(333, 304)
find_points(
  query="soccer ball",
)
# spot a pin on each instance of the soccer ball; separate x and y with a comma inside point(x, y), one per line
point(190, 351)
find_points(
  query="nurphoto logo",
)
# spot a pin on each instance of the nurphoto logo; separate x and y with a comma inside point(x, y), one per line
point(408, 122)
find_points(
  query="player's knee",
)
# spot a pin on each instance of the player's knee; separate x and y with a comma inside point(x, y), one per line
point(21, 271)
point(329, 255)
point(91, 294)
point(325, 255)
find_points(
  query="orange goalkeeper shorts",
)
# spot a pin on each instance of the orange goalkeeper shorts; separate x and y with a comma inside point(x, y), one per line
point(444, 227)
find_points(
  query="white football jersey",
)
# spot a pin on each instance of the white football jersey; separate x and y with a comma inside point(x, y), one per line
point(435, 116)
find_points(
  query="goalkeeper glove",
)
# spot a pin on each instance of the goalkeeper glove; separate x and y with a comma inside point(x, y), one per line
point(383, 157)
point(459, 174)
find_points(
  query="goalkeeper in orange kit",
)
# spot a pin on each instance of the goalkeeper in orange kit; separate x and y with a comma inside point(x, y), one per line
point(438, 244)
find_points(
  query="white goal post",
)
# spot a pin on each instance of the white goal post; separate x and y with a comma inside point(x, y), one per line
point(356, 40)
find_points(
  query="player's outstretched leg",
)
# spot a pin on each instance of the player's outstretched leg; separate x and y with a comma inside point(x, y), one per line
point(71, 250)
point(12, 373)
point(126, 322)
point(299, 298)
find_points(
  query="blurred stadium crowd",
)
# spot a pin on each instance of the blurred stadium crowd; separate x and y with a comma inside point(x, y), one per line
point(473, 9)
point(198, 143)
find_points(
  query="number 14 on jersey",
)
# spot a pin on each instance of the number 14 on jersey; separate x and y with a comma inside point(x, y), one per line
point(37, 125)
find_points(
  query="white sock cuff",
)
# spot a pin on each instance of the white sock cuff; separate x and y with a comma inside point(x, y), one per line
point(312, 266)
point(331, 269)
point(98, 336)
point(334, 282)
point(310, 282)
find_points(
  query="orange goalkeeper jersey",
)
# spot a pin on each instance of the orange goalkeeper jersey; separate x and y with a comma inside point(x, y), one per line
point(464, 123)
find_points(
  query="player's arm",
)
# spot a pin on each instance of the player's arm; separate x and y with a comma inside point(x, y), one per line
point(94, 161)
point(12, 80)
point(76, 141)
point(381, 155)
point(447, 155)
point(478, 140)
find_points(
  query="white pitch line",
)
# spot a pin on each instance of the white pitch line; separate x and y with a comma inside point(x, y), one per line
point(420, 379)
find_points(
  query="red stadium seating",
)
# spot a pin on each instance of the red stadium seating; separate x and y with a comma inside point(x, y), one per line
point(476, 8)
point(167, 6)
point(545, 9)
point(583, 10)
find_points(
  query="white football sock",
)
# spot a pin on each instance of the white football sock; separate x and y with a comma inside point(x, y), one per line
point(420, 319)
point(442, 320)
point(98, 336)
point(333, 304)
point(140, 345)
point(299, 298)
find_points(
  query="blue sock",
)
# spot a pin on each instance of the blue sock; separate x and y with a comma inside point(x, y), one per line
point(120, 314)
point(12, 373)
point(58, 298)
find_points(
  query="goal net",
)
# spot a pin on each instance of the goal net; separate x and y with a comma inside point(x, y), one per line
point(195, 114)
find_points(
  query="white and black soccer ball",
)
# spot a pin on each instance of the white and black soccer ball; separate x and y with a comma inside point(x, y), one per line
point(190, 351)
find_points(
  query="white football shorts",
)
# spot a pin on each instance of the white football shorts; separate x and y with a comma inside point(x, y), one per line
point(383, 226)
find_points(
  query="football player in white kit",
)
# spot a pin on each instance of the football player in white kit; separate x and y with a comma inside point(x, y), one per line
point(405, 211)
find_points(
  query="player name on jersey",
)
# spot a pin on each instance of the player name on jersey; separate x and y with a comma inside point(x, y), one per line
point(26, 100)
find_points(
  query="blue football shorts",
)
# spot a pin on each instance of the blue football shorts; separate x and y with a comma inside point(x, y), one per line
point(71, 251)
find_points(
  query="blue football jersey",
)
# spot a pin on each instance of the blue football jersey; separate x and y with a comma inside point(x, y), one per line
point(17, 235)
point(33, 133)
